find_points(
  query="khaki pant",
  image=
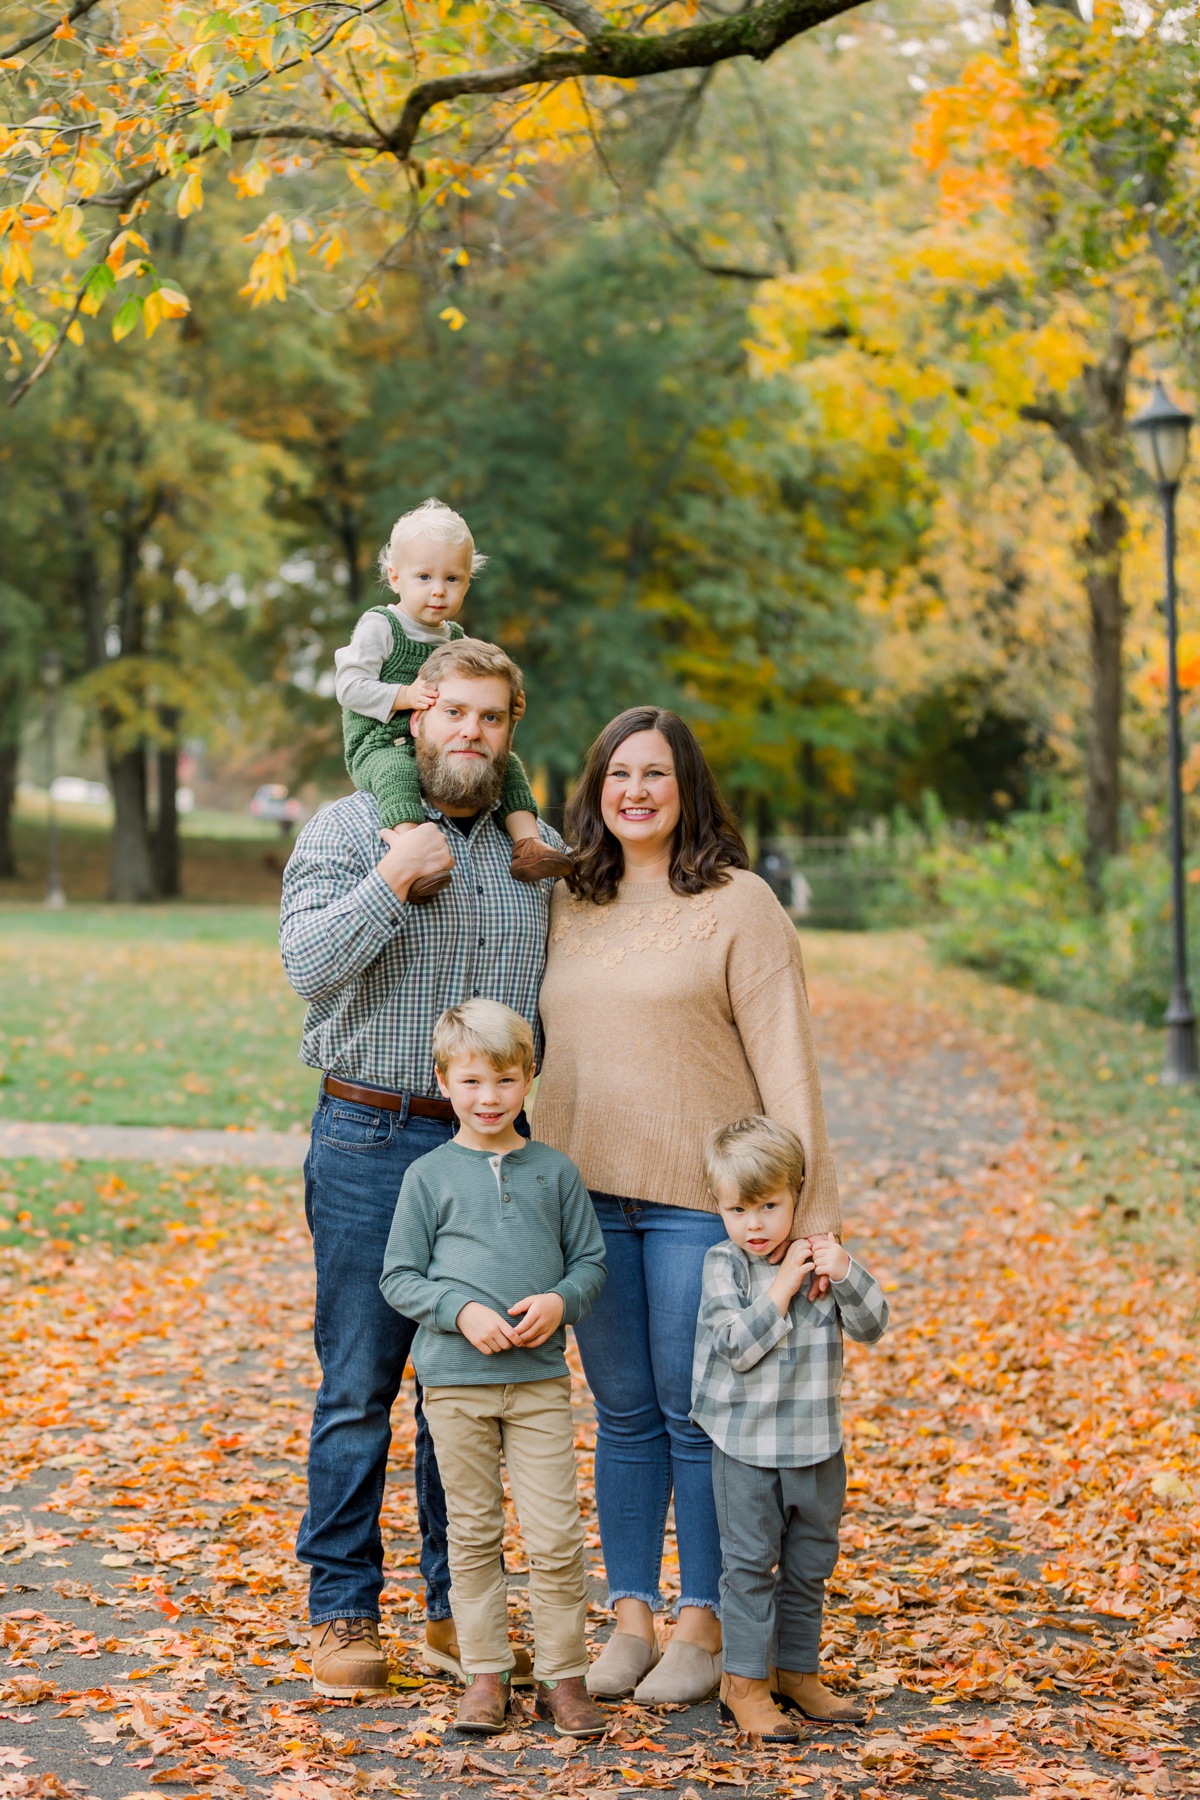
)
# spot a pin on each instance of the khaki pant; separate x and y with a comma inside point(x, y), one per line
point(530, 1424)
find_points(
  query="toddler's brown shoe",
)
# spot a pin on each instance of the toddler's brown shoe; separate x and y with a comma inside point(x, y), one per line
point(483, 1708)
point(348, 1659)
point(427, 887)
point(534, 861)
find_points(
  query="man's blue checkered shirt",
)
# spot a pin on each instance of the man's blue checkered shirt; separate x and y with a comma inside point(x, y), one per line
point(376, 972)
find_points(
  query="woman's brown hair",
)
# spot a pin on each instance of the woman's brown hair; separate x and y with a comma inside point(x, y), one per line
point(708, 842)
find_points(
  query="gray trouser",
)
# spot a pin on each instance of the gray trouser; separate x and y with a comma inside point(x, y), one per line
point(779, 1543)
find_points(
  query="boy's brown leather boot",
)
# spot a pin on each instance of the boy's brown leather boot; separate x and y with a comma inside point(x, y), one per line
point(748, 1705)
point(348, 1659)
point(808, 1695)
point(573, 1711)
point(483, 1708)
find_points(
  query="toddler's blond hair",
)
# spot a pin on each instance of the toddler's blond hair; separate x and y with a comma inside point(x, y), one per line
point(432, 519)
point(483, 1028)
point(755, 1154)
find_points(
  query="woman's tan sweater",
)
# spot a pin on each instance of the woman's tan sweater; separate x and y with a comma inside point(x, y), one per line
point(666, 1016)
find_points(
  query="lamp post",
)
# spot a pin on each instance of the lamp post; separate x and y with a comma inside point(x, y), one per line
point(51, 682)
point(1161, 436)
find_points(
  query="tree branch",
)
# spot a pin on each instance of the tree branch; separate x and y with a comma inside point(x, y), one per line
point(48, 355)
point(627, 56)
point(578, 13)
point(1067, 430)
point(35, 37)
point(622, 56)
point(729, 271)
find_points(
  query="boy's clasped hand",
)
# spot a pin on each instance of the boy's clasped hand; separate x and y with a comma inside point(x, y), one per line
point(491, 1333)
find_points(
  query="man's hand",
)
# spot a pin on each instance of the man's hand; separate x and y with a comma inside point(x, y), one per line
point(422, 851)
point(794, 1264)
point(417, 697)
point(543, 1316)
point(485, 1328)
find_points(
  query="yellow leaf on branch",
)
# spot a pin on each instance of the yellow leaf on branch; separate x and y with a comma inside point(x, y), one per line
point(191, 195)
point(164, 303)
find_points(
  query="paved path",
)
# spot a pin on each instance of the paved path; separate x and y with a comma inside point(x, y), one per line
point(934, 1107)
point(149, 1144)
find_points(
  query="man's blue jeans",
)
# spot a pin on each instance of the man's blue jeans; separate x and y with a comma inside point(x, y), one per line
point(636, 1345)
point(352, 1175)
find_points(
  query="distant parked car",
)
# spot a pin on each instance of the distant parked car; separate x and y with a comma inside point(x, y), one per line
point(272, 802)
point(73, 791)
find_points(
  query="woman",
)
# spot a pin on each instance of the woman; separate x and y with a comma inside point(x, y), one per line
point(673, 1002)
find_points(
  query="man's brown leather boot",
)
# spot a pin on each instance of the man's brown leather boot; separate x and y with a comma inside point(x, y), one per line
point(748, 1705)
point(483, 1708)
point(568, 1704)
point(348, 1659)
point(808, 1695)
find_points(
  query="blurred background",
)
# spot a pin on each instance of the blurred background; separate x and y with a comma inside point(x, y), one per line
point(799, 403)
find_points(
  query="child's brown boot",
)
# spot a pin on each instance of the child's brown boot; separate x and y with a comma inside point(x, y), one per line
point(427, 887)
point(534, 861)
point(808, 1695)
point(483, 1708)
point(748, 1705)
point(566, 1702)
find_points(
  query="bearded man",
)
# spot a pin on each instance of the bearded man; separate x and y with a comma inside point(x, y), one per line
point(380, 947)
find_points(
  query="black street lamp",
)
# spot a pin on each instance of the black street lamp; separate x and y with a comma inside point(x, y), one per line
point(51, 682)
point(1161, 436)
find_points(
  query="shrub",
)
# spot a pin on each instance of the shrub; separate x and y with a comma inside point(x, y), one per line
point(1015, 905)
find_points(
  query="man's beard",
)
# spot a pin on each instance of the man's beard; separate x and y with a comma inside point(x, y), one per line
point(460, 780)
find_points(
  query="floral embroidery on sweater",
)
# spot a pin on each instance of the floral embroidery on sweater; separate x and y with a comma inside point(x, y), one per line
point(598, 931)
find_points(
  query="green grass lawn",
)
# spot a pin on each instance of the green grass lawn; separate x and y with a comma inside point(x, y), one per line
point(180, 1015)
point(120, 1203)
point(149, 1016)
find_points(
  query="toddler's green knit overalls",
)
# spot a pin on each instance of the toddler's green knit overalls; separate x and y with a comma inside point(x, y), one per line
point(380, 756)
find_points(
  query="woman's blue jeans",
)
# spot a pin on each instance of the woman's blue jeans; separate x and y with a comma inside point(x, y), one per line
point(636, 1345)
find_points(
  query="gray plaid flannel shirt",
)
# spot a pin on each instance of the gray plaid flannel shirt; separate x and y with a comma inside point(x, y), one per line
point(376, 972)
point(766, 1386)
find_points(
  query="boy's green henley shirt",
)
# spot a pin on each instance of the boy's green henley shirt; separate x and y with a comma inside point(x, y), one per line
point(493, 1228)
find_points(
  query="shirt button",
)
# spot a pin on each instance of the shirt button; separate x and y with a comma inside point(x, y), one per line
point(481, 943)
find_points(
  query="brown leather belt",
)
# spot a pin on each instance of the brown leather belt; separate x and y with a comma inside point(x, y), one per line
point(389, 1101)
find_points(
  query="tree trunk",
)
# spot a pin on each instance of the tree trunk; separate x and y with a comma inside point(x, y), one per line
point(556, 800)
point(131, 875)
point(1095, 438)
point(1102, 544)
point(764, 826)
point(166, 825)
point(8, 795)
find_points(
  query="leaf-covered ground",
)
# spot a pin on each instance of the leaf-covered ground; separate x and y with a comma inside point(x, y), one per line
point(1019, 1595)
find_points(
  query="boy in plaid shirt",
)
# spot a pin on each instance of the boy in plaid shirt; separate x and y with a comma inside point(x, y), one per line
point(766, 1386)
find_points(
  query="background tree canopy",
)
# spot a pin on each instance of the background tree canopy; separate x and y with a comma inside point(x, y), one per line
point(792, 395)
